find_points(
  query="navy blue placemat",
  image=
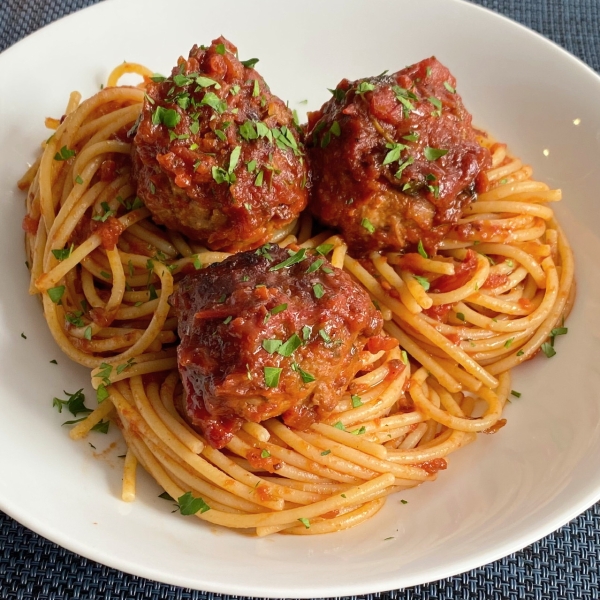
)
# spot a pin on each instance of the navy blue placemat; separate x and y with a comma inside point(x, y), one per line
point(562, 566)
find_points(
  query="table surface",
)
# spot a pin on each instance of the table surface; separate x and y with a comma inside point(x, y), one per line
point(565, 565)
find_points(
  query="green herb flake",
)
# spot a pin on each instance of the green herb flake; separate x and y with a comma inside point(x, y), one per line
point(460, 316)
point(265, 454)
point(368, 225)
point(423, 282)
point(515, 393)
point(290, 346)
point(277, 309)
point(325, 452)
point(64, 154)
point(272, 375)
point(411, 137)
point(393, 154)
point(409, 161)
point(249, 64)
point(339, 425)
point(434, 153)
point(64, 253)
point(508, 343)
point(325, 336)
point(404, 357)
point(54, 361)
point(324, 249)
point(520, 353)
point(259, 179)
point(296, 257)
point(56, 293)
point(23, 336)
point(188, 505)
point(255, 89)
point(101, 427)
point(165, 496)
point(421, 250)
point(168, 117)
point(315, 266)
point(220, 49)
point(318, 290)
point(404, 501)
point(304, 522)
point(449, 87)
point(548, 350)
point(101, 393)
point(306, 377)
point(271, 346)
point(356, 401)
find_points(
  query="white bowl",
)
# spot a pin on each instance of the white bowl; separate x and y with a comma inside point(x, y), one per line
point(499, 494)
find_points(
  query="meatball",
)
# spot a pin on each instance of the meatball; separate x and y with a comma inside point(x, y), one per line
point(216, 155)
point(394, 158)
point(268, 333)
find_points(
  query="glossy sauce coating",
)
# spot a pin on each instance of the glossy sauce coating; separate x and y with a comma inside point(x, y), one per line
point(216, 155)
point(394, 158)
point(260, 340)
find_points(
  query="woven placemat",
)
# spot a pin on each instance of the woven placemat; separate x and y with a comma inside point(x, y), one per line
point(562, 566)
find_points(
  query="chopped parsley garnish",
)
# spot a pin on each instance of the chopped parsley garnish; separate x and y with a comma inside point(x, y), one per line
point(220, 48)
point(325, 336)
point(304, 522)
point(64, 253)
point(315, 266)
point(438, 106)
point(404, 501)
point(101, 393)
point(23, 336)
point(393, 154)
point(325, 452)
point(318, 290)
point(515, 393)
point(434, 153)
point(271, 346)
point(364, 87)
point(56, 293)
point(64, 154)
point(54, 361)
point(508, 343)
point(422, 282)
point(324, 249)
point(287, 349)
point(559, 331)
point(101, 427)
point(409, 161)
point(339, 95)
point(339, 425)
point(306, 331)
point(87, 334)
point(107, 213)
point(449, 87)
point(404, 97)
point(460, 316)
point(296, 257)
point(78, 180)
point(421, 250)
point(548, 350)
point(188, 505)
point(404, 357)
point(259, 178)
point(168, 117)
point(356, 401)
point(520, 353)
point(279, 308)
point(165, 496)
point(265, 454)
point(272, 375)
point(212, 100)
point(255, 89)
point(411, 137)
point(368, 225)
point(306, 377)
point(360, 431)
point(249, 64)
point(75, 403)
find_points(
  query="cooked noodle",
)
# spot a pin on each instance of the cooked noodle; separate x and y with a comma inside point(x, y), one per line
point(107, 308)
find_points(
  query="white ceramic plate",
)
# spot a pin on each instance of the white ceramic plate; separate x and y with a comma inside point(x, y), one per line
point(499, 494)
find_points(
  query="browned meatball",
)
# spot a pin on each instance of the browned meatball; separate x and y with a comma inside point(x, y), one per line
point(268, 333)
point(216, 155)
point(394, 158)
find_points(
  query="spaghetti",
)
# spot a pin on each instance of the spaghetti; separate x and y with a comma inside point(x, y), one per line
point(498, 289)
